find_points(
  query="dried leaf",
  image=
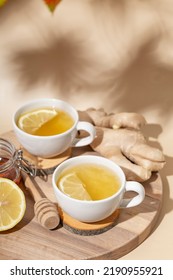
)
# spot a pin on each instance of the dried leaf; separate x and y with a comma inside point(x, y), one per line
point(52, 4)
point(2, 2)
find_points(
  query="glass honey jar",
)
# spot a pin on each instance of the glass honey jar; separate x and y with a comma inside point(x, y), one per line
point(12, 163)
point(8, 161)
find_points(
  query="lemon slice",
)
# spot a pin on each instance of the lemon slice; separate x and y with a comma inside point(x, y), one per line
point(72, 186)
point(31, 121)
point(12, 204)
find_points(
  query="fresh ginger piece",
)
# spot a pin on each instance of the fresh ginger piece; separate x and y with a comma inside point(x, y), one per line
point(125, 144)
point(101, 119)
point(128, 148)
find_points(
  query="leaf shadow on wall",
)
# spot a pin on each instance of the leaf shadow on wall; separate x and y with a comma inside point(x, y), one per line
point(70, 65)
point(145, 83)
point(63, 62)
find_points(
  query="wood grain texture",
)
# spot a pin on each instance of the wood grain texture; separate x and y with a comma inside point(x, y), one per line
point(28, 240)
point(82, 228)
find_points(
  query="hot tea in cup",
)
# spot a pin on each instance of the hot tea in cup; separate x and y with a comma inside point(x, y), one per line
point(88, 182)
point(45, 121)
point(47, 127)
point(90, 188)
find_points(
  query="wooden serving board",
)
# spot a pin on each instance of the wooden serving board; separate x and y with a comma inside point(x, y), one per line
point(28, 240)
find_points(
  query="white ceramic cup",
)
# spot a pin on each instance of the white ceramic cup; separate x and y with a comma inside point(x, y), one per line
point(92, 211)
point(49, 146)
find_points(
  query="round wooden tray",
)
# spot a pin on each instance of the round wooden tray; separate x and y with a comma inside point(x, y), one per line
point(28, 240)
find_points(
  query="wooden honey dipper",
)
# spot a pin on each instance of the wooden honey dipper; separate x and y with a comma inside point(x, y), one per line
point(44, 209)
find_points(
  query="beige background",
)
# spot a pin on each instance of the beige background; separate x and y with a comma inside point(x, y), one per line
point(103, 53)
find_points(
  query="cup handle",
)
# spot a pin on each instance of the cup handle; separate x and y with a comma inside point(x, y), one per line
point(88, 127)
point(130, 202)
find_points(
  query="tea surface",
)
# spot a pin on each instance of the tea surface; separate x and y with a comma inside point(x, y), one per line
point(97, 181)
point(45, 121)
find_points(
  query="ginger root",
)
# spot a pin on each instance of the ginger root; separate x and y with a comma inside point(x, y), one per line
point(101, 119)
point(124, 145)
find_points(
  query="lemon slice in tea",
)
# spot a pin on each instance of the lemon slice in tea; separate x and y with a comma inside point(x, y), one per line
point(32, 121)
point(72, 186)
point(12, 204)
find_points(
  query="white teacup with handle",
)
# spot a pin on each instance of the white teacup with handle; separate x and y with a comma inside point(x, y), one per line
point(50, 146)
point(95, 210)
